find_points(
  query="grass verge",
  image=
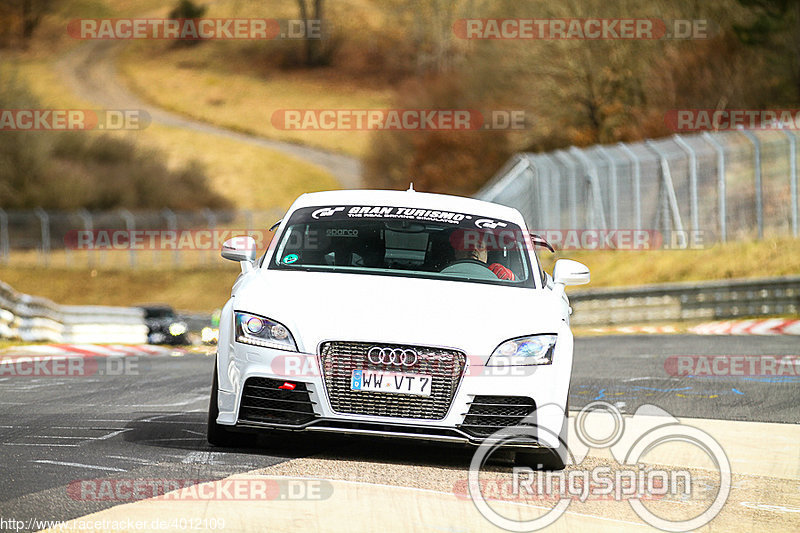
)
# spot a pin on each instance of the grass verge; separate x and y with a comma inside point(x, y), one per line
point(747, 259)
point(191, 290)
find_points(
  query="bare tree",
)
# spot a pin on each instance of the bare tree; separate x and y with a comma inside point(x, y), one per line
point(31, 13)
point(313, 46)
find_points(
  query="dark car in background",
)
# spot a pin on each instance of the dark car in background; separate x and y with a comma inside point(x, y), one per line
point(164, 326)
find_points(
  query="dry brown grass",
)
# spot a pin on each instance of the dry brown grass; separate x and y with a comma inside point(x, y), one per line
point(192, 290)
point(748, 259)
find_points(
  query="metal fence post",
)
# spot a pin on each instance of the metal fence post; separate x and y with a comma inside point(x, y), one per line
point(637, 183)
point(491, 193)
point(5, 255)
point(44, 220)
point(130, 226)
point(671, 201)
point(527, 206)
point(612, 171)
point(793, 177)
point(695, 217)
point(757, 163)
point(555, 182)
point(569, 164)
point(723, 225)
point(591, 173)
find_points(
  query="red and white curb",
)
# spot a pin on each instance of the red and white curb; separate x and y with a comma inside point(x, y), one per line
point(636, 329)
point(87, 350)
point(770, 326)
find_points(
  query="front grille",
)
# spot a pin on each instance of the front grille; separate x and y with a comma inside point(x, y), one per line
point(264, 401)
point(339, 359)
point(488, 414)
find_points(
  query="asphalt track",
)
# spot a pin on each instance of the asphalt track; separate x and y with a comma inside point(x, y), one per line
point(148, 422)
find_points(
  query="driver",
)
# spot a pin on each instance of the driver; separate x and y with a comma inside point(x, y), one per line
point(478, 252)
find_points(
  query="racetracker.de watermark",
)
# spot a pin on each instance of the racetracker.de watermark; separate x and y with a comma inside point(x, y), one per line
point(47, 366)
point(174, 489)
point(694, 120)
point(582, 28)
point(161, 239)
point(733, 365)
point(194, 29)
point(579, 239)
point(497, 239)
point(399, 119)
point(297, 366)
point(73, 119)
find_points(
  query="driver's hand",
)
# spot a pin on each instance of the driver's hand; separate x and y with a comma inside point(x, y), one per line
point(501, 272)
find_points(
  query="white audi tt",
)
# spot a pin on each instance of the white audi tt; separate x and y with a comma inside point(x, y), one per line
point(399, 314)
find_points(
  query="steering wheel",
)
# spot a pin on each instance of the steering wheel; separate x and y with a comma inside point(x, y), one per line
point(470, 269)
point(467, 261)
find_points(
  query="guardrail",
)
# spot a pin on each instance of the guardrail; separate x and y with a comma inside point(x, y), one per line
point(673, 302)
point(31, 319)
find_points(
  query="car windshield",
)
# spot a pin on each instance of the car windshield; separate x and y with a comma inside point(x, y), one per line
point(408, 242)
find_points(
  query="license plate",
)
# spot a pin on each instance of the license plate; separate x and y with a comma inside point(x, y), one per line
point(396, 382)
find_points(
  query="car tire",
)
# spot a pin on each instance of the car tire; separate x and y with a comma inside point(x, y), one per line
point(547, 458)
point(544, 459)
point(217, 434)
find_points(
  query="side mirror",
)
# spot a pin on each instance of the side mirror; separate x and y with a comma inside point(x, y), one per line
point(569, 272)
point(240, 249)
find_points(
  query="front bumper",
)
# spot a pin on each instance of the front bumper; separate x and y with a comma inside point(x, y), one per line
point(520, 390)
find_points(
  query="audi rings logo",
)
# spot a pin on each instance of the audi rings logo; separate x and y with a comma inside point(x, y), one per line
point(392, 356)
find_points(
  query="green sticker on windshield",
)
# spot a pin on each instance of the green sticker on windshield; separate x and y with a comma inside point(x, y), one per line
point(289, 259)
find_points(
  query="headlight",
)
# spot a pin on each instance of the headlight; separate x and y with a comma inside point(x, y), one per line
point(522, 351)
point(260, 331)
point(177, 328)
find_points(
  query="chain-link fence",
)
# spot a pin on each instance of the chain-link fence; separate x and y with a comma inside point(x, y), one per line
point(125, 239)
point(720, 186)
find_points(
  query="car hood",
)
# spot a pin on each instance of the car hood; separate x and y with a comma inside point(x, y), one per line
point(473, 317)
